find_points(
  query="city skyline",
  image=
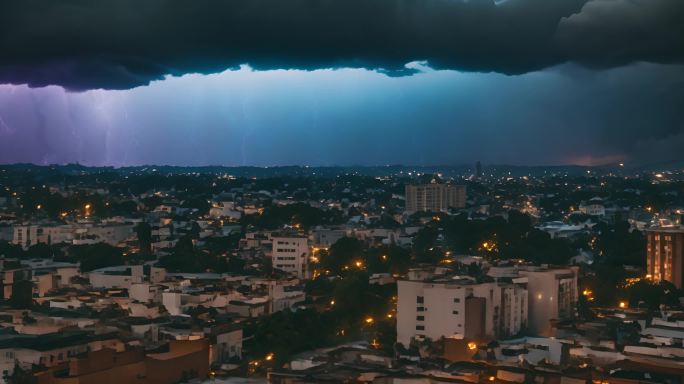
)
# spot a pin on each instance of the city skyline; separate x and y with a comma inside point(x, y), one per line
point(341, 191)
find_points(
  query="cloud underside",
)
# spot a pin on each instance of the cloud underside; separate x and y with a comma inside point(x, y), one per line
point(87, 44)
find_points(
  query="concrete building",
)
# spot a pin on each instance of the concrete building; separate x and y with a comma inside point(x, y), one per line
point(552, 296)
point(325, 237)
point(444, 306)
point(110, 233)
point(291, 254)
point(49, 350)
point(593, 207)
point(434, 197)
point(145, 292)
point(225, 209)
point(185, 360)
point(28, 235)
point(665, 254)
point(227, 343)
point(116, 277)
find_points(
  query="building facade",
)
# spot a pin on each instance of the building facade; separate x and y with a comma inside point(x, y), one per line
point(552, 296)
point(434, 197)
point(665, 254)
point(291, 255)
point(460, 308)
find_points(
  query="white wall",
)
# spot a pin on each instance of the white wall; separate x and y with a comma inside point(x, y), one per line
point(291, 254)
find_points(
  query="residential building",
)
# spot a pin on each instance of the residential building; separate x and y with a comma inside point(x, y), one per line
point(185, 360)
point(49, 350)
point(434, 197)
point(665, 253)
point(458, 307)
point(325, 237)
point(116, 277)
point(291, 254)
point(227, 343)
point(28, 235)
point(552, 296)
point(593, 207)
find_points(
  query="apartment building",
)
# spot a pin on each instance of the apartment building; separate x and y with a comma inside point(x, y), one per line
point(434, 197)
point(665, 253)
point(552, 296)
point(450, 306)
point(291, 254)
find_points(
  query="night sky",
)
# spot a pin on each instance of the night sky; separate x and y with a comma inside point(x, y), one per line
point(341, 82)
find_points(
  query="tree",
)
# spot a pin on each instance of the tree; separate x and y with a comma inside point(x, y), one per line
point(223, 244)
point(186, 258)
point(617, 245)
point(286, 333)
point(301, 215)
point(10, 251)
point(424, 243)
point(194, 230)
point(20, 376)
point(94, 256)
point(41, 251)
point(144, 232)
point(650, 294)
point(343, 253)
point(22, 294)
point(386, 335)
point(183, 258)
point(392, 259)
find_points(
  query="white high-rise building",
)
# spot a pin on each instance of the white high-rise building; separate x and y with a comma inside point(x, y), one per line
point(291, 254)
point(436, 306)
point(553, 296)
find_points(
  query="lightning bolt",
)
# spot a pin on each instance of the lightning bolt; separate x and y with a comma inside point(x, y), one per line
point(3, 124)
point(102, 101)
point(5, 127)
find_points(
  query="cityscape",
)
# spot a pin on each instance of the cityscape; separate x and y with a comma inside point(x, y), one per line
point(358, 274)
point(342, 191)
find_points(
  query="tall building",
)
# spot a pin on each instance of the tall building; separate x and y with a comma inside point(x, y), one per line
point(665, 253)
point(434, 197)
point(553, 296)
point(441, 306)
point(291, 254)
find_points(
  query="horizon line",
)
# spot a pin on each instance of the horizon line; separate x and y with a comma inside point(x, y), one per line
point(489, 165)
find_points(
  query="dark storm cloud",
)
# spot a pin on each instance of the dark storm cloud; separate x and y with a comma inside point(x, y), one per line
point(613, 32)
point(84, 44)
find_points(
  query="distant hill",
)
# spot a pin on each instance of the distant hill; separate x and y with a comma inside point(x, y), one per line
point(447, 171)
